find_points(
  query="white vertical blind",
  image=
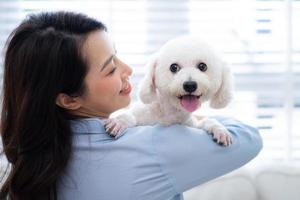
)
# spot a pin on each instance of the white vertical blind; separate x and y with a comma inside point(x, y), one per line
point(260, 39)
point(295, 57)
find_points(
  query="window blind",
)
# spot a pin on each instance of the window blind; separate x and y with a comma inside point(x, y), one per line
point(259, 39)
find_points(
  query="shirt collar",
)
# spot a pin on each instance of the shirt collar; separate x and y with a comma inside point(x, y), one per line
point(87, 126)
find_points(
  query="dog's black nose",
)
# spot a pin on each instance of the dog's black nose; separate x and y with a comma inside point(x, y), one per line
point(190, 86)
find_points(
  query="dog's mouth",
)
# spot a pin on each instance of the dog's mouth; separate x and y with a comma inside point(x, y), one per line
point(190, 102)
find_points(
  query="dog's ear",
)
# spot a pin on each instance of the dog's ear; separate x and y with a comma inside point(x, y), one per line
point(225, 92)
point(147, 89)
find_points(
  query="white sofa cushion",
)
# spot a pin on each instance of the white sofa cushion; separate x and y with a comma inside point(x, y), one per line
point(231, 187)
point(270, 181)
point(278, 182)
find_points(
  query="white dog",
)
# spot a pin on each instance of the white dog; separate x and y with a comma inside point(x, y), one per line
point(182, 75)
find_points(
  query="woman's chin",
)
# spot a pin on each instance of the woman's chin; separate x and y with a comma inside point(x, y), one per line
point(125, 102)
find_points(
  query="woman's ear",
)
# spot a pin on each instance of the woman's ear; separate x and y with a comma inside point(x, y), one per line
point(147, 90)
point(65, 101)
point(225, 92)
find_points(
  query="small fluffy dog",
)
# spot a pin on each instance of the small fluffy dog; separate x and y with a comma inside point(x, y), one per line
point(183, 74)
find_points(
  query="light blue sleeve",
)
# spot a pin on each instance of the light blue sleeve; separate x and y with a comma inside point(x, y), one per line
point(189, 157)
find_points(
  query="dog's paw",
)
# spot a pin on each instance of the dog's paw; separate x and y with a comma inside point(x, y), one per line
point(221, 136)
point(115, 127)
point(217, 130)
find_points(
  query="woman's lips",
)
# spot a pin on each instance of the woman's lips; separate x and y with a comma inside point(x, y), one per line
point(126, 90)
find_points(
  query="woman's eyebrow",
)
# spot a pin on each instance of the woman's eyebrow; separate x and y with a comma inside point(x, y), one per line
point(107, 62)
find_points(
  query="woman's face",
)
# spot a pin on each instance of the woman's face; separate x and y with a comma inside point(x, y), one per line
point(107, 87)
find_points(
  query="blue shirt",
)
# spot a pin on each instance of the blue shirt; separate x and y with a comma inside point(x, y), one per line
point(150, 162)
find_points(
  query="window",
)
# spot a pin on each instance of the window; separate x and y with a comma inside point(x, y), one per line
point(260, 39)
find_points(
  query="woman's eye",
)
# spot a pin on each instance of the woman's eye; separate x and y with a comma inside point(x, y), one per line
point(202, 66)
point(112, 71)
point(174, 68)
point(112, 63)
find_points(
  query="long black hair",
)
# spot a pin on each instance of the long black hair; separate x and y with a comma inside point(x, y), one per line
point(43, 58)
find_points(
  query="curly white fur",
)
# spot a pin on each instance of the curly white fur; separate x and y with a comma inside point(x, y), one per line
point(162, 90)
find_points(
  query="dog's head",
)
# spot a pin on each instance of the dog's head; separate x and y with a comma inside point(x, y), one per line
point(186, 72)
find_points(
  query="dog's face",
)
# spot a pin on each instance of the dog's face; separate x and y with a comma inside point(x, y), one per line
point(187, 72)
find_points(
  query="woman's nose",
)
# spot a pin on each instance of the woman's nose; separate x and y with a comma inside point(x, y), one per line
point(127, 69)
point(130, 70)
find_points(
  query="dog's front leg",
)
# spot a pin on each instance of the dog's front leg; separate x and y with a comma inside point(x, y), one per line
point(138, 114)
point(116, 126)
point(212, 126)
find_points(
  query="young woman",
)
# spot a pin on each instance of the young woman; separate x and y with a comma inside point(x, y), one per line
point(62, 78)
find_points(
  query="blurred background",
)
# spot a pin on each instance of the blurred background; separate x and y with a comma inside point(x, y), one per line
point(260, 39)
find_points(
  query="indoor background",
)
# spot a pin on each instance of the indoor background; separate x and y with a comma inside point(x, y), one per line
point(260, 39)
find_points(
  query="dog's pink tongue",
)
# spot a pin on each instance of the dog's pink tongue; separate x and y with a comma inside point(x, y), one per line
point(189, 102)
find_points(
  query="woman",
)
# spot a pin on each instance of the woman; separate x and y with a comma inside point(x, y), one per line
point(62, 78)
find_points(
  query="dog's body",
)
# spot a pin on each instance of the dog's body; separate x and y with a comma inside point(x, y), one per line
point(182, 75)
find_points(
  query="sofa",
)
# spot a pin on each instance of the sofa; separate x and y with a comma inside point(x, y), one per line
point(272, 181)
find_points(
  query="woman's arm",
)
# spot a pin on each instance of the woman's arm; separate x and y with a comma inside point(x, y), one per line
point(189, 157)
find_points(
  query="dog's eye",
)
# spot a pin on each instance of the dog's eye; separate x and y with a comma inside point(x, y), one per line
point(174, 68)
point(202, 67)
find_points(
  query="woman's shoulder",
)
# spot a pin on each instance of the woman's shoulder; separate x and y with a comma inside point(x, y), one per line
point(92, 131)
